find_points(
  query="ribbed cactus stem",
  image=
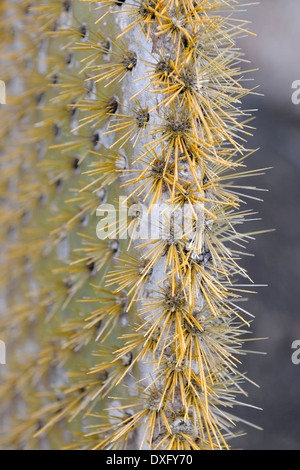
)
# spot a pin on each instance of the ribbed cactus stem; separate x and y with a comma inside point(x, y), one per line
point(128, 328)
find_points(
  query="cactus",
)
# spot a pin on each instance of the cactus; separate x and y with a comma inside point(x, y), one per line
point(117, 336)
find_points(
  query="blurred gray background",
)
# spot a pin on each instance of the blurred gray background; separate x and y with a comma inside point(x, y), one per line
point(276, 51)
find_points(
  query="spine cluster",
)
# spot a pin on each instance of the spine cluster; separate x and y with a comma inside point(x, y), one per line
point(130, 336)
